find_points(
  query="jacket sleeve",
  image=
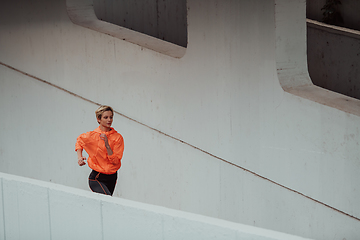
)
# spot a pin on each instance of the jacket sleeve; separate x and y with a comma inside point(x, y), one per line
point(118, 151)
point(80, 141)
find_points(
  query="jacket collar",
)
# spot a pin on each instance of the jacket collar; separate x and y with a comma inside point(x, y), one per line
point(98, 130)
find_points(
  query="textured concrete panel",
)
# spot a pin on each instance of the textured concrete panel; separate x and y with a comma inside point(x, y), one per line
point(26, 210)
point(190, 229)
point(74, 216)
point(130, 222)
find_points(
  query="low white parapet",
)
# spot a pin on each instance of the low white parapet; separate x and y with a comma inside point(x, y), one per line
point(32, 209)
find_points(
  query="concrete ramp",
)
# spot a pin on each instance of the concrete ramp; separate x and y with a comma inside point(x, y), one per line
point(32, 209)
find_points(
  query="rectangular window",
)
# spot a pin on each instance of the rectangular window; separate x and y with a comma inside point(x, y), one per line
point(159, 25)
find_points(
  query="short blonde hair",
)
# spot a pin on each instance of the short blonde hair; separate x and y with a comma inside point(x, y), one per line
point(101, 110)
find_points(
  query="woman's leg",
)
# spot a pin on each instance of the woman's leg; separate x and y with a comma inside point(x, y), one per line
point(98, 187)
point(109, 181)
point(102, 183)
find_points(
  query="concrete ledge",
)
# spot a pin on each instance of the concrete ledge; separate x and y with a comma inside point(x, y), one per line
point(327, 98)
point(333, 29)
point(32, 209)
point(81, 12)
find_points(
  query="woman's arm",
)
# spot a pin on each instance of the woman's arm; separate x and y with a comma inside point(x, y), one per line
point(118, 149)
point(79, 148)
point(81, 159)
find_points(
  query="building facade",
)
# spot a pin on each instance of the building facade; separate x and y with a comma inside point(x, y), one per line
point(229, 126)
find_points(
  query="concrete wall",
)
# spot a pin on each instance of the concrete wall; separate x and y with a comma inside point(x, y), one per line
point(31, 209)
point(213, 132)
point(334, 58)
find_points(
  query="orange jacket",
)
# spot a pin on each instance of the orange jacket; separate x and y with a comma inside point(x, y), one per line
point(99, 160)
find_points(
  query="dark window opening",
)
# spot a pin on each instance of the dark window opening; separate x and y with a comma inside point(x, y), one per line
point(162, 19)
point(333, 45)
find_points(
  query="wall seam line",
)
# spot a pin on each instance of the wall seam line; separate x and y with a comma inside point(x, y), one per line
point(102, 219)
point(49, 212)
point(3, 206)
point(186, 143)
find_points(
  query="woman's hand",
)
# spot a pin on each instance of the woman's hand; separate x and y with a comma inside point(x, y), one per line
point(104, 137)
point(108, 149)
point(81, 161)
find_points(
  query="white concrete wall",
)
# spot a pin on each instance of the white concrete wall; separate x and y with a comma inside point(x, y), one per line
point(31, 209)
point(221, 107)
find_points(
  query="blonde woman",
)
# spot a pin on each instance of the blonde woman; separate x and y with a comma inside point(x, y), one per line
point(105, 147)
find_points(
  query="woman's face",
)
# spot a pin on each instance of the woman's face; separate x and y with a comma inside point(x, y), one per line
point(106, 119)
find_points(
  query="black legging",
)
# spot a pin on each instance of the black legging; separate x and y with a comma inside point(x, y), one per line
point(102, 183)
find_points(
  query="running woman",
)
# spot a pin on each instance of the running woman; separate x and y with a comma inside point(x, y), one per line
point(105, 147)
